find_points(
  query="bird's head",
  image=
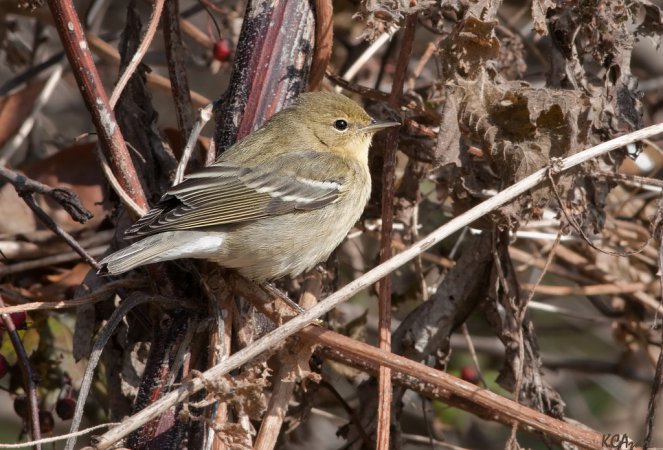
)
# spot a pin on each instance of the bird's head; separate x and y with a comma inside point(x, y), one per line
point(337, 122)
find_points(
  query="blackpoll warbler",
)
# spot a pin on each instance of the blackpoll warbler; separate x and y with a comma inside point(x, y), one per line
point(276, 203)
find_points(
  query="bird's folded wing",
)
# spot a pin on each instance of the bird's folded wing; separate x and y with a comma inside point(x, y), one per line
point(224, 193)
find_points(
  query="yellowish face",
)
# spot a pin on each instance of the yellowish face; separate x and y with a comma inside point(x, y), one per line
point(338, 122)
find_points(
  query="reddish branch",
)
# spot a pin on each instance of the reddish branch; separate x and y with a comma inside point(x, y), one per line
point(324, 40)
point(439, 385)
point(110, 137)
point(430, 382)
point(388, 188)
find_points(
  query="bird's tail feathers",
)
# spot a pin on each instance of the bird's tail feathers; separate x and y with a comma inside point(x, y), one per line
point(163, 247)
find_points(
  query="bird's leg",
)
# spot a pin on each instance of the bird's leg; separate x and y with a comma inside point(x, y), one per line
point(271, 289)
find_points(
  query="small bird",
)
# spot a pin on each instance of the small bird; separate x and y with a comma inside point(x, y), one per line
point(276, 203)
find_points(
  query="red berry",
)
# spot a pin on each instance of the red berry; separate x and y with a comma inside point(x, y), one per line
point(46, 421)
point(469, 374)
point(4, 366)
point(65, 408)
point(222, 50)
point(19, 319)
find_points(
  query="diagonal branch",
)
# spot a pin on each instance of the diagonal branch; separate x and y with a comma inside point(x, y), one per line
point(273, 338)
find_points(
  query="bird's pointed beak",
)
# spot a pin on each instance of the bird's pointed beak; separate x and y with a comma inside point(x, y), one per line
point(377, 125)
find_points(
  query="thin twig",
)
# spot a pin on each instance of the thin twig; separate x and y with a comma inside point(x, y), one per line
point(110, 54)
point(352, 413)
point(366, 92)
point(658, 374)
point(594, 289)
point(176, 58)
point(50, 223)
point(379, 96)
point(61, 437)
point(13, 248)
point(204, 115)
point(93, 297)
point(576, 226)
point(220, 303)
point(29, 383)
point(473, 353)
point(128, 202)
point(428, 53)
point(365, 56)
point(520, 370)
point(271, 339)
point(324, 40)
point(293, 361)
point(588, 268)
point(194, 33)
point(441, 261)
point(51, 260)
point(99, 343)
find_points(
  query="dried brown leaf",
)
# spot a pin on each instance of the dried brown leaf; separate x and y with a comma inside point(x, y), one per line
point(539, 12)
point(379, 16)
point(15, 108)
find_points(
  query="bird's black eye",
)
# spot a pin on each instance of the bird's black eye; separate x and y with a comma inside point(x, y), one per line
point(341, 125)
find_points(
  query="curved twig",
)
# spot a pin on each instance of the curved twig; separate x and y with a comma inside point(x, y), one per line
point(138, 56)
